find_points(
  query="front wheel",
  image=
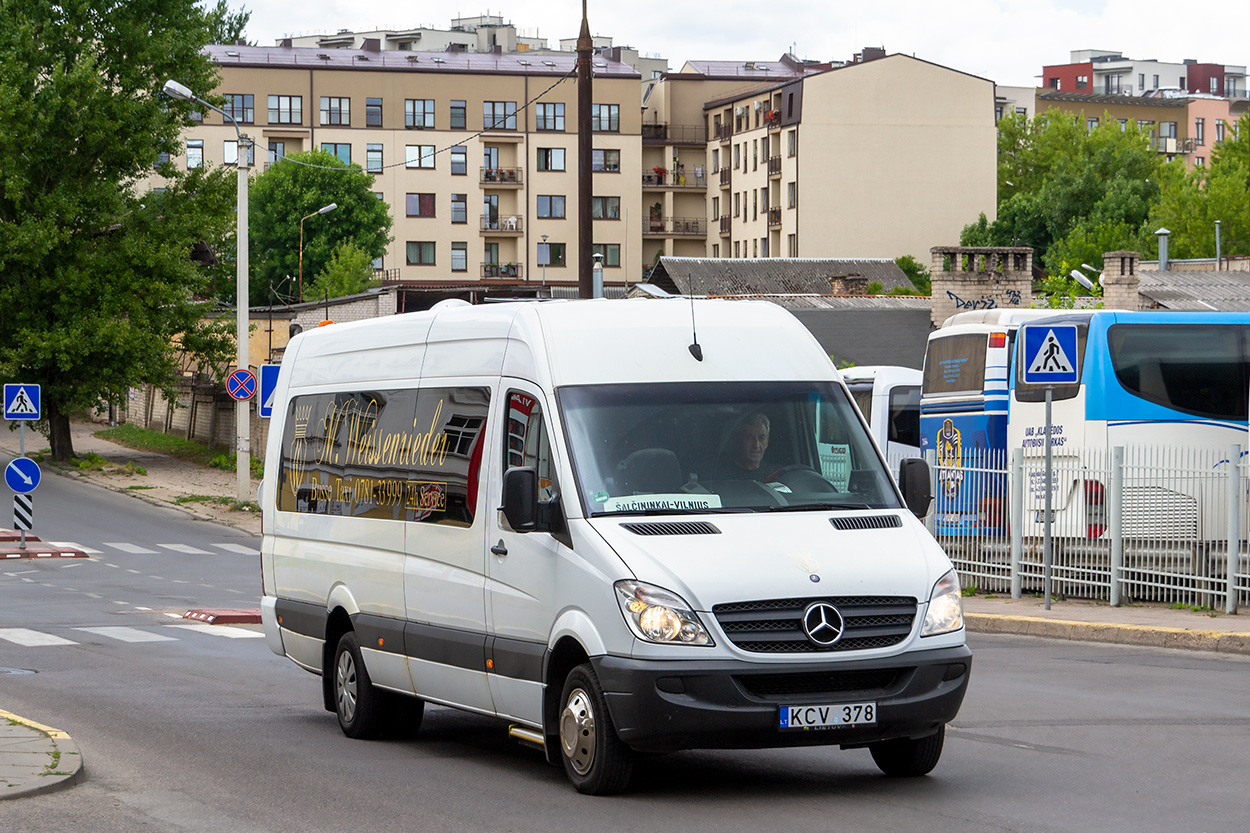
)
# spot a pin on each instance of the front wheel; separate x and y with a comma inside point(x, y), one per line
point(908, 758)
point(594, 758)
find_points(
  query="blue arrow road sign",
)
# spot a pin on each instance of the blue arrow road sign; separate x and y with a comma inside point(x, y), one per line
point(21, 401)
point(241, 384)
point(22, 475)
point(268, 384)
point(1049, 355)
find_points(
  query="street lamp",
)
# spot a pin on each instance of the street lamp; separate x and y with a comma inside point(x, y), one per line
point(325, 209)
point(543, 260)
point(242, 413)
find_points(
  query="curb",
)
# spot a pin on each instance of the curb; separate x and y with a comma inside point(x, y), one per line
point(1142, 635)
point(69, 768)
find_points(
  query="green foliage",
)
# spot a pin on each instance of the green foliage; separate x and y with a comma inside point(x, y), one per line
point(145, 439)
point(225, 26)
point(917, 273)
point(289, 191)
point(348, 272)
point(95, 282)
point(874, 288)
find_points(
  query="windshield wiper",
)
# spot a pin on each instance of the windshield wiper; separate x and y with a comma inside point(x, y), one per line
point(809, 507)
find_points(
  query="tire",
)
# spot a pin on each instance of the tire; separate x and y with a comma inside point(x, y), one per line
point(360, 706)
point(908, 758)
point(594, 758)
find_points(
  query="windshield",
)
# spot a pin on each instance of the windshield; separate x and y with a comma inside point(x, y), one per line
point(647, 449)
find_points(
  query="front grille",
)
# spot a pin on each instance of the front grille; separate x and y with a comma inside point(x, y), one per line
point(776, 625)
point(866, 522)
point(817, 683)
point(672, 528)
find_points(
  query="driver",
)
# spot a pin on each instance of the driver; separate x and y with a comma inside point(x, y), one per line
point(748, 447)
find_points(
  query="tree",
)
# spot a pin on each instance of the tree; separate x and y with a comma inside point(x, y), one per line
point(917, 273)
point(296, 187)
point(96, 282)
point(348, 272)
point(225, 26)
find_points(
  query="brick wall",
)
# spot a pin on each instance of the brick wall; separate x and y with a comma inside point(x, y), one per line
point(980, 277)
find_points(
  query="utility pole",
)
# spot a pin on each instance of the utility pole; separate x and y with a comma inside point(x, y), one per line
point(585, 229)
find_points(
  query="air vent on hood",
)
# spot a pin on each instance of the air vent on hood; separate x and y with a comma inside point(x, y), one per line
point(672, 528)
point(866, 522)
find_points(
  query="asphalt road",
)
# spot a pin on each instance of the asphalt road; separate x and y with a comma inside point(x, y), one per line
point(200, 731)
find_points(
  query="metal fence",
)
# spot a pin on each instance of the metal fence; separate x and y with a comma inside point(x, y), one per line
point(1128, 524)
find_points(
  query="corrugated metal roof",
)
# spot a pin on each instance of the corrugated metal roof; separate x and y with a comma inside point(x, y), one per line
point(1099, 98)
point(1197, 290)
point(772, 275)
point(397, 60)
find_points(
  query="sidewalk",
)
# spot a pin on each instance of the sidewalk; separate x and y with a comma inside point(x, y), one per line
point(35, 758)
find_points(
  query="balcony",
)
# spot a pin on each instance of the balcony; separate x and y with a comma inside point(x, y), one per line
point(502, 177)
point(501, 270)
point(772, 119)
point(724, 177)
point(510, 226)
point(724, 225)
point(1168, 144)
point(658, 226)
point(681, 179)
point(774, 166)
point(774, 217)
point(672, 134)
point(726, 133)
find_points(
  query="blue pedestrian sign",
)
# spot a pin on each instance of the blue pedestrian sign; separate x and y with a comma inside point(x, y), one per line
point(22, 475)
point(1049, 354)
point(21, 401)
point(268, 385)
point(241, 385)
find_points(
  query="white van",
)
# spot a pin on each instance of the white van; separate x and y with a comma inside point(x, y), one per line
point(889, 398)
point(582, 518)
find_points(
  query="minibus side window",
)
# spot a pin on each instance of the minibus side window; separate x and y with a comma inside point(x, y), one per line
point(527, 443)
point(905, 415)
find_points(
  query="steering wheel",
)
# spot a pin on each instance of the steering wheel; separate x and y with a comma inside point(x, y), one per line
point(796, 472)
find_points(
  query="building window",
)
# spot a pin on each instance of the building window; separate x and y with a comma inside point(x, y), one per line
point(460, 208)
point(755, 155)
point(459, 161)
point(456, 121)
point(195, 153)
point(418, 113)
point(1053, 83)
point(1022, 111)
point(1141, 82)
point(605, 208)
point(1123, 125)
point(373, 159)
point(737, 203)
point(551, 254)
point(420, 253)
point(605, 118)
point(420, 205)
point(605, 161)
point(373, 112)
point(755, 248)
point(286, 109)
point(792, 245)
point(1082, 82)
point(551, 159)
point(1155, 85)
point(1219, 131)
point(490, 253)
point(763, 247)
point(277, 150)
point(737, 249)
point(340, 149)
point(419, 156)
point(755, 205)
point(549, 116)
point(335, 110)
point(715, 250)
point(459, 257)
point(1200, 131)
point(792, 140)
point(737, 156)
point(610, 252)
point(1091, 125)
point(1199, 161)
point(551, 206)
point(715, 207)
point(241, 106)
point(715, 160)
point(998, 113)
point(792, 194)
point(230, 152)
point(499, 115)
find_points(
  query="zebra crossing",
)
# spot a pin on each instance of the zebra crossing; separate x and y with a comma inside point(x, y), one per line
point(30, 638)
point(138, 549)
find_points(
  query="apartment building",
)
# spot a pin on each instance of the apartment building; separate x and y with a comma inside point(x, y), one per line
point(876, 158)
point(475, 153)
point(1098, 71)
point(1181, 126)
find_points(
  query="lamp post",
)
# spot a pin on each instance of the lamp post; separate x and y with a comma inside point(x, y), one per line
point(243, 410)
point(543, 260)
point(325, 209)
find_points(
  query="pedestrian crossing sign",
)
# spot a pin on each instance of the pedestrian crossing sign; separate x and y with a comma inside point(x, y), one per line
point(1050, 354)
point(21, 401)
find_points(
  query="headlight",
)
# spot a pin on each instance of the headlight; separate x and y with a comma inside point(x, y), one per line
point(946, 607)
point(656, 615)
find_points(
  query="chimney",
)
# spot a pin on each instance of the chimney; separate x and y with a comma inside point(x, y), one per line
point(848, 285)
point(1163, 248)
point(1120, 284)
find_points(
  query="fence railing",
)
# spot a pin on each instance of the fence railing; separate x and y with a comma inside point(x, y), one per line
point(1126, 524)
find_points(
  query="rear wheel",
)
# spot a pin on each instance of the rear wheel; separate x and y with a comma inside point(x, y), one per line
point(359, 705)
point(905, 757)
point(594, 758)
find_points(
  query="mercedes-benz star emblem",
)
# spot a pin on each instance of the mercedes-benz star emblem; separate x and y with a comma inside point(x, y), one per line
point(822, 623)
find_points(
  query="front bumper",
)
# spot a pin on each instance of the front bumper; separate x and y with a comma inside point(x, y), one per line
point(665, 706)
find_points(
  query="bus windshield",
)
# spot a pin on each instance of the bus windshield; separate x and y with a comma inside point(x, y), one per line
point(652, 449)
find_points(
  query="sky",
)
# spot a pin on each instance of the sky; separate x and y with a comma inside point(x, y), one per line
point(1006, 41)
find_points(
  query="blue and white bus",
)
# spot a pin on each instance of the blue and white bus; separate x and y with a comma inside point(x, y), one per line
point(1154, 382)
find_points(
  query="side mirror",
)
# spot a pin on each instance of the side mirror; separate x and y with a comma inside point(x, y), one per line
point(520, 498)
point(913, 480)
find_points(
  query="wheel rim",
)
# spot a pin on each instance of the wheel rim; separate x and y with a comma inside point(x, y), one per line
point(345, 682)
point(577, 731)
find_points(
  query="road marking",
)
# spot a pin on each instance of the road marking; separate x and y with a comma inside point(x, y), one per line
point(136, 572)
point(222, 630)
point(133, 549)
point(93, 595)
point(32, 639)
point(239, 548)
point(75, 546)
point(185, 548)
point(124, 634)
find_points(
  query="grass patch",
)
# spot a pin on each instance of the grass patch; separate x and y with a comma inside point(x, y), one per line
point(1195, 608)
point(219, 500)
point(970, 590)
point(135, 488)
point(145, 439)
